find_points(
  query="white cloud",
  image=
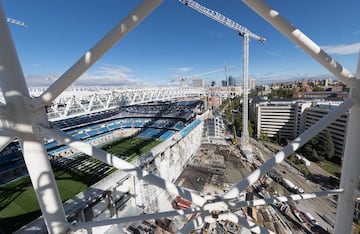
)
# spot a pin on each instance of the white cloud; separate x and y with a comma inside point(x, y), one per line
point(215, 34)
point(105, 74)
point(182, 69)
point(272, 53)
point(343, 49)
point(39, 79)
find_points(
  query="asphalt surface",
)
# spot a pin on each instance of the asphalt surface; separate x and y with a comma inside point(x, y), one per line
point(319, 207)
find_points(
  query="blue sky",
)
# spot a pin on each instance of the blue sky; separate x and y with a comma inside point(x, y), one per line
point(175, 40)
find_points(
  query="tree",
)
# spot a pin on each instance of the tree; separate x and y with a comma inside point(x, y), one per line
point(278, 138)
point(264, 136)
point(326, 145)
point(318, 89)
point(344, 88)
point(308, 150)
point(292, 157)
point(250, 129)
point(319, 147)
point(238, 122)
point(316, 157)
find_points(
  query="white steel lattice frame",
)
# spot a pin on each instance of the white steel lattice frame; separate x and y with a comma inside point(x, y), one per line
point(25, 118)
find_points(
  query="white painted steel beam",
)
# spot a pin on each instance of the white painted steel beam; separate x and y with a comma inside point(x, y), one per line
point(194, 224)
point(253, 227)
point(17, 120)
point(199, 221)
point(115, 98)
point(121, 164)
point(350, 172)
point(299, 38)
point(43, 181)
point(6, 136)
point(91, 56)
point(136, 218)
point(288, 198)
point(289, 149)
point(12, 79)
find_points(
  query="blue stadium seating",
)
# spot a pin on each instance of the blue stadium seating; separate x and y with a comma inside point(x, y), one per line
point(190, 127)
point(166, 135)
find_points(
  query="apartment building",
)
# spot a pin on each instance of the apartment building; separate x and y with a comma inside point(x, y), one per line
point(337, 129)
point(276, 117)
point(291, 118)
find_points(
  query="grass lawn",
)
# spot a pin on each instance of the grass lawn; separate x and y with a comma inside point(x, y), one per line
point(330, 167)
point(130, 148)
point(18, 203)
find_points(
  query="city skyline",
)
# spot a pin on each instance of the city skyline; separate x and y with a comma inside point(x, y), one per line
point(177, 41)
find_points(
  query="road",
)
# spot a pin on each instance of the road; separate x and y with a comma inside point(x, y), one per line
point(317, 207)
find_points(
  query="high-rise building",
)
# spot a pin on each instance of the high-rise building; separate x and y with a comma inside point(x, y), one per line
point(198, 82)
point(275, 118)
point(252, 83)
point(232, 81)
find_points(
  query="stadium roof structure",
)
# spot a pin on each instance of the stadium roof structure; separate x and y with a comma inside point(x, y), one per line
point(25, 118)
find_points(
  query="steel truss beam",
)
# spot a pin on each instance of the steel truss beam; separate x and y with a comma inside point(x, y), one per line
point(25, 118)
point(299, 38)
point(96, 52)
point(199, 220)
point(80, 102)
point(350, 171)
point(20, 112)
point(138, 218)
point(16, 122)
point(6, 137)
point(288, 198)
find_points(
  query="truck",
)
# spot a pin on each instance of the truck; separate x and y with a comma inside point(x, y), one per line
point(291, 186)
point(180, 203)
point(311, 219)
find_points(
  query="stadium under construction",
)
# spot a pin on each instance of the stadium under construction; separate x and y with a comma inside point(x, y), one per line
point(156, 160)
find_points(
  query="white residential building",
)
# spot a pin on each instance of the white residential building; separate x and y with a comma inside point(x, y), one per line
point(276, 117)
point(291, 118)
point(337, 129)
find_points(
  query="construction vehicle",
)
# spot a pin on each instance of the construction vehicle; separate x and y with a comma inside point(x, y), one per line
point(180, 203)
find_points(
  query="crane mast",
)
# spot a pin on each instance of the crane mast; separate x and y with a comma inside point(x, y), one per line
point(246, 34)
point(245, 130)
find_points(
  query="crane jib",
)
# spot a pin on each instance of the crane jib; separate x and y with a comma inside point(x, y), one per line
point(221, 19)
